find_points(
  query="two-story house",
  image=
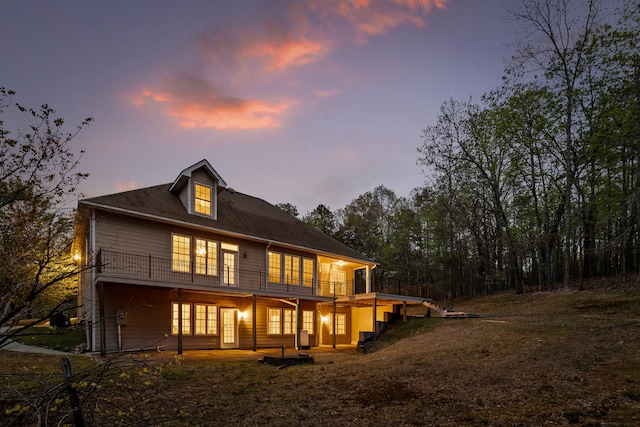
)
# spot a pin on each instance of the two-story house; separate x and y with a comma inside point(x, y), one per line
point(194, 264)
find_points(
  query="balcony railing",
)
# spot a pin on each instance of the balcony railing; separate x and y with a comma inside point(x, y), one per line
point(147, 267)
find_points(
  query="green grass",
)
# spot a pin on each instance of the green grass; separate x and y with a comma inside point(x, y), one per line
point(401, 330)
point(65, 339)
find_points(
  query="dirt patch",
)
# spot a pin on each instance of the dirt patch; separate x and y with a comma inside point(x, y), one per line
point(540, 358)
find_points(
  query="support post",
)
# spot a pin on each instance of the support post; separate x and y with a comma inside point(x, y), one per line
point(254, 323)
point(298, 324)
point(179, 320)
point(404, 311)
point(333, 324)
point(103, 329)
point(375, 323)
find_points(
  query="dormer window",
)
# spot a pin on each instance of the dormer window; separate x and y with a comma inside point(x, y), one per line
point(198, 187)
point(202, 199)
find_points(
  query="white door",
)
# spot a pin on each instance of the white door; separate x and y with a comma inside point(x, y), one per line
point(229, 267)
point(229, 328)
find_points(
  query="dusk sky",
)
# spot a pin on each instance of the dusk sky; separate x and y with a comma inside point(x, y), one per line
point(302, 102)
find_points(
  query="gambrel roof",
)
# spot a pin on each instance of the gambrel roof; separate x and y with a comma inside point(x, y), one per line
point(239, 215)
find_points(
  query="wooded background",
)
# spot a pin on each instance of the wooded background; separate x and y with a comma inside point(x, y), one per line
point(535, 185)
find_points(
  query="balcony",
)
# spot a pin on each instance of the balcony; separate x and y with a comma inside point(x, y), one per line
point(112, 265)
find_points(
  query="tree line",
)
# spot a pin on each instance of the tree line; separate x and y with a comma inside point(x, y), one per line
point(535, 185)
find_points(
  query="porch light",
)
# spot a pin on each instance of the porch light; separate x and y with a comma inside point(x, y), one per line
point(324, 319)
point(76, 256)
point(241, 315)
point(340, 263)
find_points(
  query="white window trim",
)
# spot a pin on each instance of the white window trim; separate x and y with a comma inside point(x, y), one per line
point(212, 201)
point(189, 320)
point(195, 319)
point(188, 270)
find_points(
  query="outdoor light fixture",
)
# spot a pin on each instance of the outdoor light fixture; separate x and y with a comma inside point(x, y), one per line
point(241, 315)
point(76, 257)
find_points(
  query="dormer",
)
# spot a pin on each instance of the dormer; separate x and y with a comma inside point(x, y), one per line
point(198, 187)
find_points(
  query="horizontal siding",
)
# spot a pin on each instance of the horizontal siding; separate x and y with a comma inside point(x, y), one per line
point(148, 319)
point(142, 237)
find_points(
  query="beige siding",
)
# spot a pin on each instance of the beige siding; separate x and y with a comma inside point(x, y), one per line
point(136, 236)
point(148, 319)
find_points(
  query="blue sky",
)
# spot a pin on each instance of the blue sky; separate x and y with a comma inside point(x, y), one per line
point(293, 101)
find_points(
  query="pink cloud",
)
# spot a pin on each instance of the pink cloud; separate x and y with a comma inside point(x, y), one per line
point(263, 55)
point(125, 186)
point(287, 53)
point(194, 103)
point(375, 17)
point(325, 93)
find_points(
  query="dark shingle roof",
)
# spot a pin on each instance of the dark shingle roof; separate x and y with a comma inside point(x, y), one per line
point(238, 214)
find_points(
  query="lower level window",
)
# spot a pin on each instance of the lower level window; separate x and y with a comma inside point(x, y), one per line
point(307, 321)
point(273, 321)
point(206, 319)
point(281, 321)
point(175, 318)
point(341, 324)
point(288, 322)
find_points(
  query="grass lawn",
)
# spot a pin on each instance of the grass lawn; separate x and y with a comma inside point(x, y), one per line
point(540, 358)
point(62, 339)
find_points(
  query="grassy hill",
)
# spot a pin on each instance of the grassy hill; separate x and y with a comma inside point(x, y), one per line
point(552, 358)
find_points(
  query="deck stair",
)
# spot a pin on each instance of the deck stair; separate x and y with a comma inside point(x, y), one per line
point(444, 312)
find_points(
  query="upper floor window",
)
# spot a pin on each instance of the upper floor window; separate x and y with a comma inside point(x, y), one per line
point(181, 253)
point(202, 199)
point(206, 257)
point(337, 282)
point(291, 270)
point(274, 267)
point(308, 269)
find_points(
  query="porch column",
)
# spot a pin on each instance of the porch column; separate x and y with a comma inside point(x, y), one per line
point(103, 328)
point(179, 320)
point(298, 324)
point(333, 324)
point(375, 323)
point(253, 323)
point(404, 311)
point(368, 279)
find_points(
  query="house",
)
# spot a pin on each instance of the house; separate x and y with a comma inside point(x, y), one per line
point(194, 264)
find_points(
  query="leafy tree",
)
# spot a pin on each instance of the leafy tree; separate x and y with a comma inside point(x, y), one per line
point(37, 180)
point(323, 219)
point(558, 47)
point(289, 208)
